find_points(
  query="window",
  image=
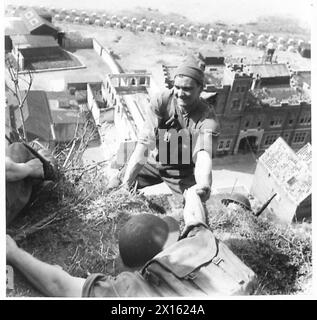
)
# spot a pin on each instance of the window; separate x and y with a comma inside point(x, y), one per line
point(291, 181)
point(220, 145)
point(237, 89)
point(29, 14)
point(224, 145)
point(142, 80)
point(276, 122)
point(270, 139)
point(247, 123)
point(34, 21)
point(299, 137)
point(290, 121)
point(259, 123)
point(235, 104)
point(242, 89)
point(305, 120)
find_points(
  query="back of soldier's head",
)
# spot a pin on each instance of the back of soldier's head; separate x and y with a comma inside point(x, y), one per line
point(144, 236)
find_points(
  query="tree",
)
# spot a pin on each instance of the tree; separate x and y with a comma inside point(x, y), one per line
point(17, 92)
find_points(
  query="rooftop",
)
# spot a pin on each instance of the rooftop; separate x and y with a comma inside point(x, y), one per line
point(37, 115)
point(83, 78)
point(291, 170)
point(275, 96)
point(135, 104)
point(214, 74)
point(14, 26)
point(269, 70)
point(31, 41)
point(64, 115)
point(302, 77)
point(33, 20)
point(305, 154)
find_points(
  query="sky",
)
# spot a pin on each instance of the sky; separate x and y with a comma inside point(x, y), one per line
point(236, 11)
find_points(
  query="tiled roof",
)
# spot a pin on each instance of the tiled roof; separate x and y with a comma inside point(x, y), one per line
point(305, 154)
point(290, 170)
point(33, 20)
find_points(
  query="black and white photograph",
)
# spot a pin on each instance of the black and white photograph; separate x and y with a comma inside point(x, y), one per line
point(158, 150)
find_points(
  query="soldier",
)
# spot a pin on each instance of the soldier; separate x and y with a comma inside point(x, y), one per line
point(23, 171)
point(181, 133)
point(140, 239)
point(157, 260)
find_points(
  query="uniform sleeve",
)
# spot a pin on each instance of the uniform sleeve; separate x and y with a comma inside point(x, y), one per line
point(206, 137)
point(125, 284)
point(153, 116)
point(98, 285)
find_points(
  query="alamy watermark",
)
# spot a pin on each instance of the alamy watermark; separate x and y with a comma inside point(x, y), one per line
point(170, 144)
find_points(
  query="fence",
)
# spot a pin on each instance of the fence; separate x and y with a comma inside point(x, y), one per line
point(81, 43)
point(107, 57)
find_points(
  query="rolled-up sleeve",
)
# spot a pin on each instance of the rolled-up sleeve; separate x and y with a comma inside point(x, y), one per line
point(206, 137)
point(125, 284)
point(98, 285)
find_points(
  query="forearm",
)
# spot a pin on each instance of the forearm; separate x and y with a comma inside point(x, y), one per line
point(50, 280)
point(194, 210)
point(136, 163)
point(203, 168)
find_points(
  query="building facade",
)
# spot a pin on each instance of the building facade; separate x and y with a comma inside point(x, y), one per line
point(256, 104)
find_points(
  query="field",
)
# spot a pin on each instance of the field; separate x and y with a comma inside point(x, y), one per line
point(146, 50)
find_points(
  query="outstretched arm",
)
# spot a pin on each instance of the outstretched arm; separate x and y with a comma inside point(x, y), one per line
point(203, 174)
point(136, 163)
point(203, 168)
point(51, 280)
point(194, 210)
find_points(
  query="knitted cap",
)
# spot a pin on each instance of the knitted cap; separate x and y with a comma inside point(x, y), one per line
point(192, 67)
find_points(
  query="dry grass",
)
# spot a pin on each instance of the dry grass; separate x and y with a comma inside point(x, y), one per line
point(280, 255)
point(74, 222)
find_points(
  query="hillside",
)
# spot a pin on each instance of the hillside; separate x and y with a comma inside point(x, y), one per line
point(75, 221)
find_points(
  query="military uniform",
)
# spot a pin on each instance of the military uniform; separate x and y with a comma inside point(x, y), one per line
point(174, 138)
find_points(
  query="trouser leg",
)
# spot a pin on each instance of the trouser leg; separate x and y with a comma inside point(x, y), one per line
point(148, 176)
point(18, 193)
